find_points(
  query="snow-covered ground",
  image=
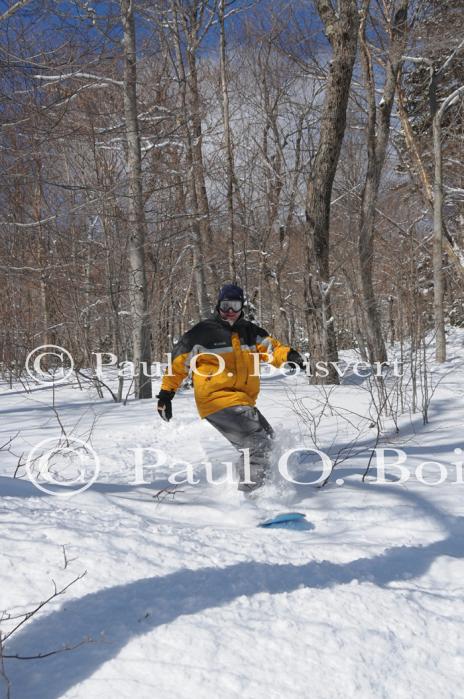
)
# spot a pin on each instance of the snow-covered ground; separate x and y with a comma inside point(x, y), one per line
point(185, 596)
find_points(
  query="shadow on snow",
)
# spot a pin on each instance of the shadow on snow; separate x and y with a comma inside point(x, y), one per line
point(114, 616)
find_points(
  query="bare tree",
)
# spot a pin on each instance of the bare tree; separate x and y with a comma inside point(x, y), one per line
point(227, 140)
point(13, 9)
point(136, 214)
point(438, 275)
point(18, 622)
point(341, 30)
point(432, 184)
point(378, 131)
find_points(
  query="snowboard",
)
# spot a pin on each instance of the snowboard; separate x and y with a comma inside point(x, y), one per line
point(284, 519)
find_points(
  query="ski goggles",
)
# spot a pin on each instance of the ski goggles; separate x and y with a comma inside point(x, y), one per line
point(232, 305)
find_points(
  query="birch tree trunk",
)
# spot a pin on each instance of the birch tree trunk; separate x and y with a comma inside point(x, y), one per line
point(190, 197)
point(136, 215)
point(198, 165)
point(437, 249)
point(227, 143)
point(192, 207)
point(192, 19)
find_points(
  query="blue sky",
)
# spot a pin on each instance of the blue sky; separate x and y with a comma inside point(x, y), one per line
point(67, 17)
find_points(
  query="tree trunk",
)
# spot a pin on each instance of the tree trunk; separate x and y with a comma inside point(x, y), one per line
point(420, 174)
point(192, 208)
point(438, 277)
point(43, 258)
point(136, 215)
point(198, 166)
point(437, 254)
point(378, 132)
point(227, 144)
point(341, 30)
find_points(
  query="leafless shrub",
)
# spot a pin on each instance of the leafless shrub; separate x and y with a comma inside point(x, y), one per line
point(21, 620)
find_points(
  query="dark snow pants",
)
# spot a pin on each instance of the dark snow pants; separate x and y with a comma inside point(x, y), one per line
point(246, 428)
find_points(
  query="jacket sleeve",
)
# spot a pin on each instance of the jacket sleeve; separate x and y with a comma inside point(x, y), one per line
point(271, 350)
point(180, 363)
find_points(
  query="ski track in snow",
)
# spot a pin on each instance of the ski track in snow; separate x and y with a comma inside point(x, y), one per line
point(186, 597)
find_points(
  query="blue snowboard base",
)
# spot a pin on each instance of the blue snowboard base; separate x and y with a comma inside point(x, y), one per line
point(284, 519)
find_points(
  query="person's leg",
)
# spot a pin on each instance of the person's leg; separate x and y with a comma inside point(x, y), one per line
point(245, 427)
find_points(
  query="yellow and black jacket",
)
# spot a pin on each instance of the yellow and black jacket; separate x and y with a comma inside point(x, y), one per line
point(236, 384)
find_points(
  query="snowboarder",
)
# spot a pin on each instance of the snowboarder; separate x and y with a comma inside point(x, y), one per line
point(225, 381)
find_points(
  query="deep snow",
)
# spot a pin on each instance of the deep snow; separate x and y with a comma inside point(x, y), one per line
point(184, 596)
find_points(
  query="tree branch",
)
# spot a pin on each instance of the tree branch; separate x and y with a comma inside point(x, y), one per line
point(13, 9)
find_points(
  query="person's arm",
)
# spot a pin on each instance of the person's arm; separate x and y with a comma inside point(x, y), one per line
point(180, 362)
point(268, 346)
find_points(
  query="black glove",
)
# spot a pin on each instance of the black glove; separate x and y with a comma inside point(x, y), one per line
point(164, 406)
point(296, 358)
